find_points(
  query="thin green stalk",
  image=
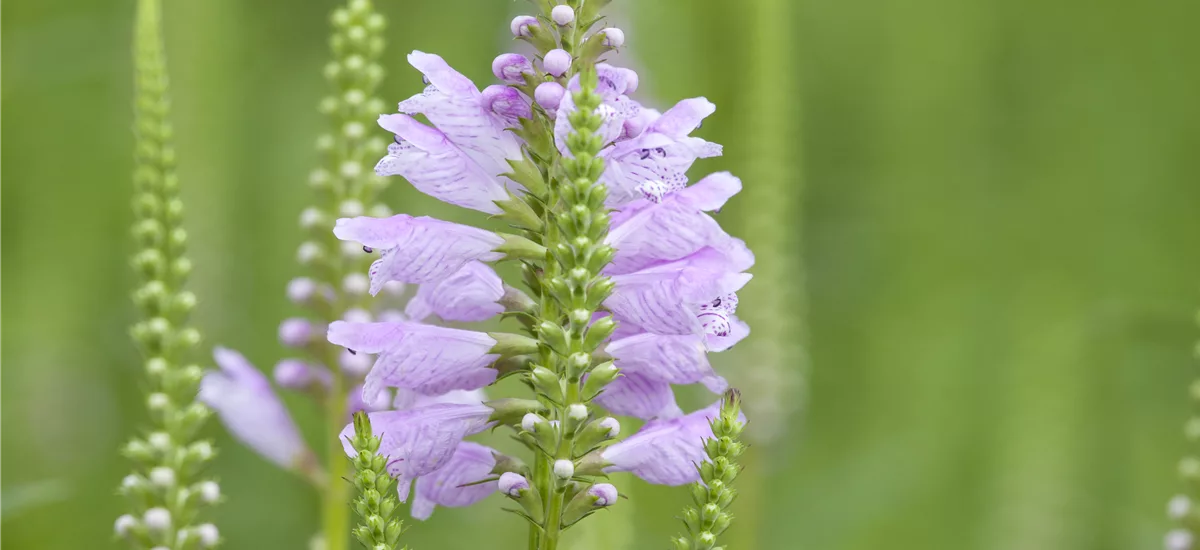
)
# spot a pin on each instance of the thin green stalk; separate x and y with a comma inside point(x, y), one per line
point(167, 488)
point(335, 513)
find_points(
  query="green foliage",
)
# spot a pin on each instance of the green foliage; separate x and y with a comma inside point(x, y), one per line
point(376, 503)
point(169, 459)
point(709, 516)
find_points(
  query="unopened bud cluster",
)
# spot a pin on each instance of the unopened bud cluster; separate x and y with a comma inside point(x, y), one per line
point(166, 490)
point(712, 495)
point(376, 502)
point(1182, 508)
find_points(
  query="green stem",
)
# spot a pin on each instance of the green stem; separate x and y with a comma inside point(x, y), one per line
point(336, 498)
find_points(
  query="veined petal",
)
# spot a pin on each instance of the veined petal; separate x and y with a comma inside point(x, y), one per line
point(677, 359)
point(408, 399)
point(665, 452)
point(456, 107)
point(633, 394)
point(424, 358)
point(418, 442)
point(712, 191)
point(418, 250)
point(447, 486)
point(435, 166)
point(243, 398)
point(670, 230)
point(469, 295)
point(663, 299)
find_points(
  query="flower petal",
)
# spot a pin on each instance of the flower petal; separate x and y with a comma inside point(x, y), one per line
point(633, 394)
point(424, 358)
point(677, 359)
point(469, 295)
point(663, 299)
point(418, 442)
point(712, 191)
point(665, 452)
point(243, 398)
point(435, 166)
point(447, 486)
point(668, 231)
point(456, 107)
point(418, 250)
point(408, 399)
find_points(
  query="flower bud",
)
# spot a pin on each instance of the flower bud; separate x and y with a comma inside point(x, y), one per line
point(162, 476)
point(357, 315)
point(604, 493)
point(549, 95)
point(1178, 539)
point(124, 525)
point(612, 425)
point(308, 253)
point(546, 382)
point(577, 412)
point(356, 284)
point(564, 469)
point(512, 484)
point(158, 401)
point(613, 37)
point(159, 441)
point(1179, 507)
point(599, 377)
point(506, 101)
point(295, 374)
point(208, 535)
point(557, 62)
point(510, 67)
point(563, 15)
point(354, 364)
point(210, 492)
point(530, 421)
point(157, 519)
point(312, 217)
point(520, 25)
point(295, 332)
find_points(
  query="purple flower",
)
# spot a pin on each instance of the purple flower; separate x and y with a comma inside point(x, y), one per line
point(512, 484)
point(420, 441)
point(510, 67)
point(447, 486)
point(557, 62)
point(549, 95)
point(670, 223)
point(694, 295)
point(605, 494)
point(408, 399)
point(249, 408)
point(299, 375)
point(418, 250)
point(456, 107)
point(676, 359)
point(470, 294)
point(662, 151)
point(637, 395)
point(434, 165)
point(424, 358)
point(665, 452)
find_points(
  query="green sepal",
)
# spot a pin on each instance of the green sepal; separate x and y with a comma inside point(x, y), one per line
point(510, 345)
point(518, 213)
point(520, 248)
point(599, 377)
point(511, 410)
point(524, 171)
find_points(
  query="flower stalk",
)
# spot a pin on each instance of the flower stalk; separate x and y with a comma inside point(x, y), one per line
point(168, 488)
point(712, 495)
point(376, 504)
point(1182, 508)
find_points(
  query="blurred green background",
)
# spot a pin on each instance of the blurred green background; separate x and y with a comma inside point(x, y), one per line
point(1000, 210)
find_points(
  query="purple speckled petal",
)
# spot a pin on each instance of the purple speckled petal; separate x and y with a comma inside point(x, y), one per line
point(677, 359)
point(661, 151)
point(469, 295)
point(435, 166)
point(665, 452)
point(424, 358)
point(456, 107)
point(418, 250)
point(670, 224)
point(446, 486)
point(418, 442)
point(738, 330)
point(633, 394)
point(243, 398)
point(664, 299)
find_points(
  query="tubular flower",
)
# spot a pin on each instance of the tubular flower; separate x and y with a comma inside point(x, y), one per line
point(617, 306)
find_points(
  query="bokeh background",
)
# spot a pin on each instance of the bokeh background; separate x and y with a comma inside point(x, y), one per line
point(978, 225)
